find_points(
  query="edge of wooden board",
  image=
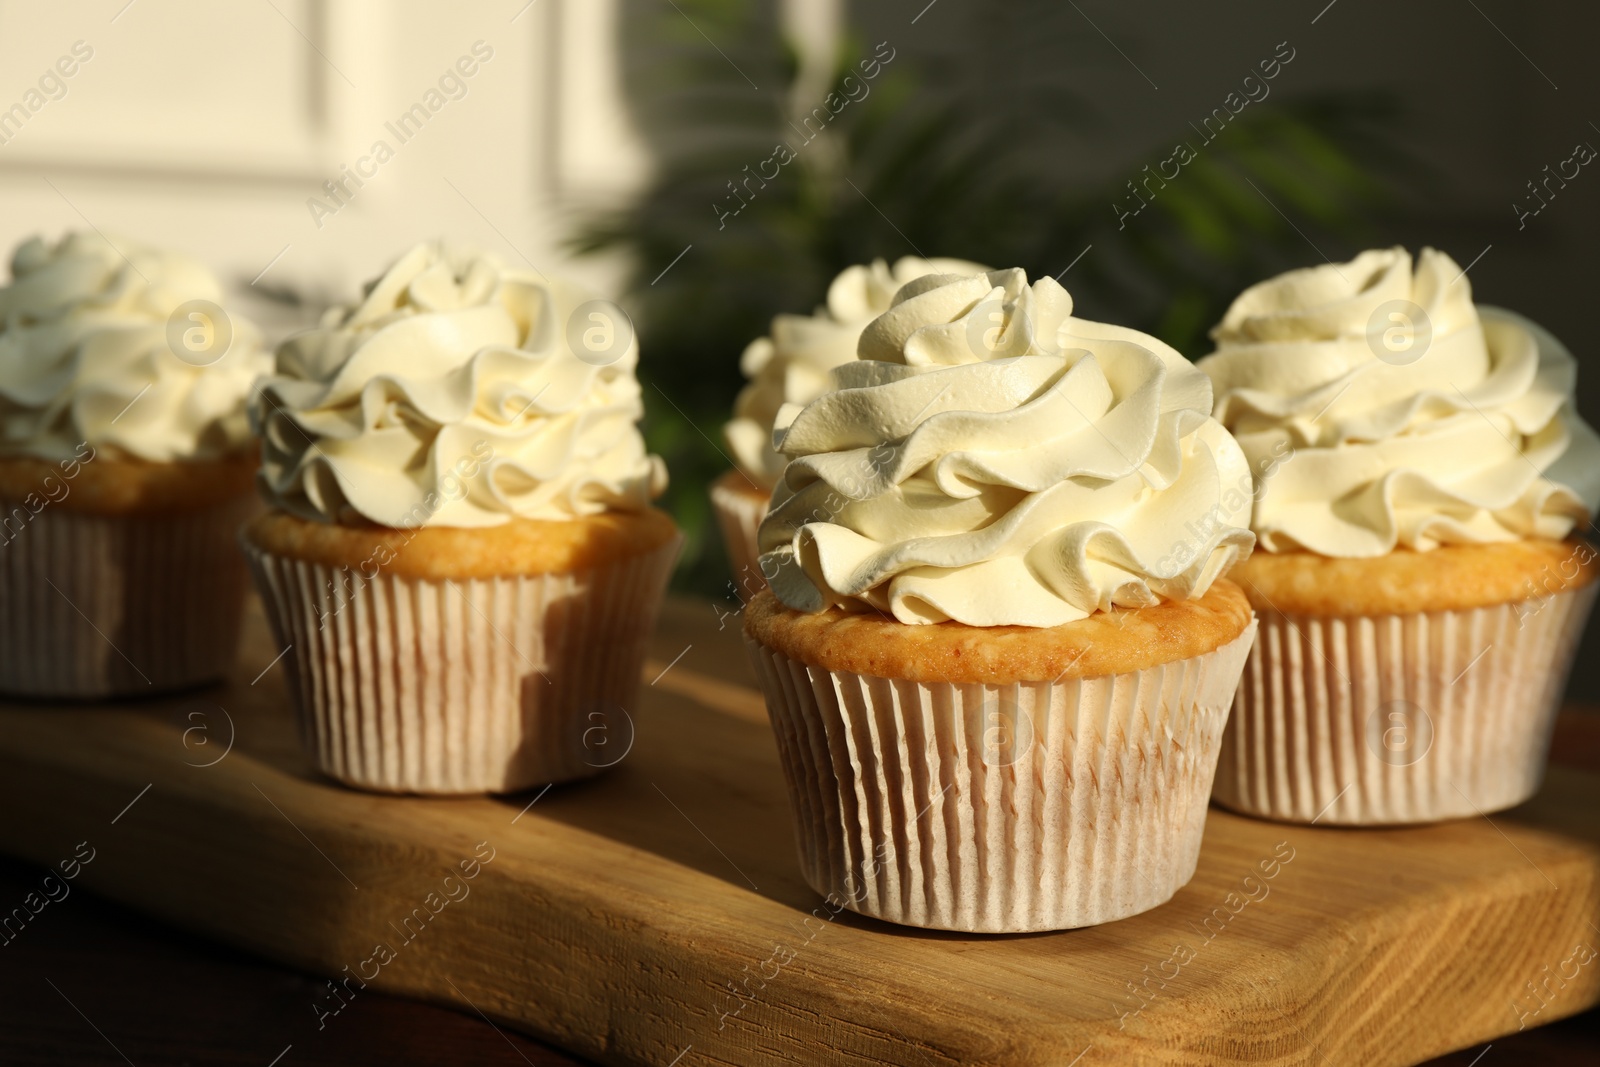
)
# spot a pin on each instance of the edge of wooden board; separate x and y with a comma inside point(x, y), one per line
point(623, 950)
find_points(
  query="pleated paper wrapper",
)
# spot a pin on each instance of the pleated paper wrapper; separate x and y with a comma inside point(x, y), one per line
point(739, 515)
point(1000, 808)
point(1392, 719)
point(406, 685)
point(115, 605)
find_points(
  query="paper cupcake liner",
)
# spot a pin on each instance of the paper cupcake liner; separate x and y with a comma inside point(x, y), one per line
point(493, 685)
point(1399, 718)
point(1000, 808)
point(739, 515)
point(99, 606)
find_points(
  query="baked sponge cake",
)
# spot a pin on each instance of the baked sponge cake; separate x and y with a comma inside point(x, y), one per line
point(126, 466)
point(461, 558)
point(1422, 482)
point(997, 650)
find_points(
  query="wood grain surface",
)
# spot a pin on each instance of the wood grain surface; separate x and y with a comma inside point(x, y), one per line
point(655, 915)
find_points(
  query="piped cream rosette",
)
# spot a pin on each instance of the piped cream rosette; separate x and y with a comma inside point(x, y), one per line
point(995, 461)
point(1014, 482)
point(1414, 417)
point(96, 349)
point(794, 362)
point(447, 354)
point(792, 365)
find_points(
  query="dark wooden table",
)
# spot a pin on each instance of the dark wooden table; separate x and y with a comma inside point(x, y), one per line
point(90, 983)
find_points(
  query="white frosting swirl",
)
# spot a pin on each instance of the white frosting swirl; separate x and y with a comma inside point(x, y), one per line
point(993, 460)
point(791, 365)
point(451, 396)
point(85, 355)
point(1386, 410)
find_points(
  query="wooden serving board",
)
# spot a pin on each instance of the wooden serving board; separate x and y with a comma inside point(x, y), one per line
point(656, 915)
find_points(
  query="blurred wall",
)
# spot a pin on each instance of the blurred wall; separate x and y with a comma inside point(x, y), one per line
point(210, 126)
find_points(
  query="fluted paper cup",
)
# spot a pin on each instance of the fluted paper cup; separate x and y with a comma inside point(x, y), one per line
point(739, 515)
point(406, 685)
point(1000, 808)
point(1392, 719)
point(119, 605)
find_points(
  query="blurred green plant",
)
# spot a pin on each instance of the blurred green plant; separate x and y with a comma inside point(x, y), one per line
point(937, 166)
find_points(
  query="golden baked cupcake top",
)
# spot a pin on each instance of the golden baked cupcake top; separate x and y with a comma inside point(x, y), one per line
point(1382, 409)
point(458, 392)
point(992, 460)
point(1108, 642)
point(110, 347)
point(792, 363)
point(1446, 578)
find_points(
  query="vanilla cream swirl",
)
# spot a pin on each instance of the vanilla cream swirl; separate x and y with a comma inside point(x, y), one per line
point(1386, 411)
point(791, 365)
point(86, 356)
point(991, 459)
point(451, 395)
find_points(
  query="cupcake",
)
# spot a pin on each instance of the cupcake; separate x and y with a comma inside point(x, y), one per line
point(1420, 479)
point(125, 466)
point(460, 557)
point(996, 650)
point(791, 366)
